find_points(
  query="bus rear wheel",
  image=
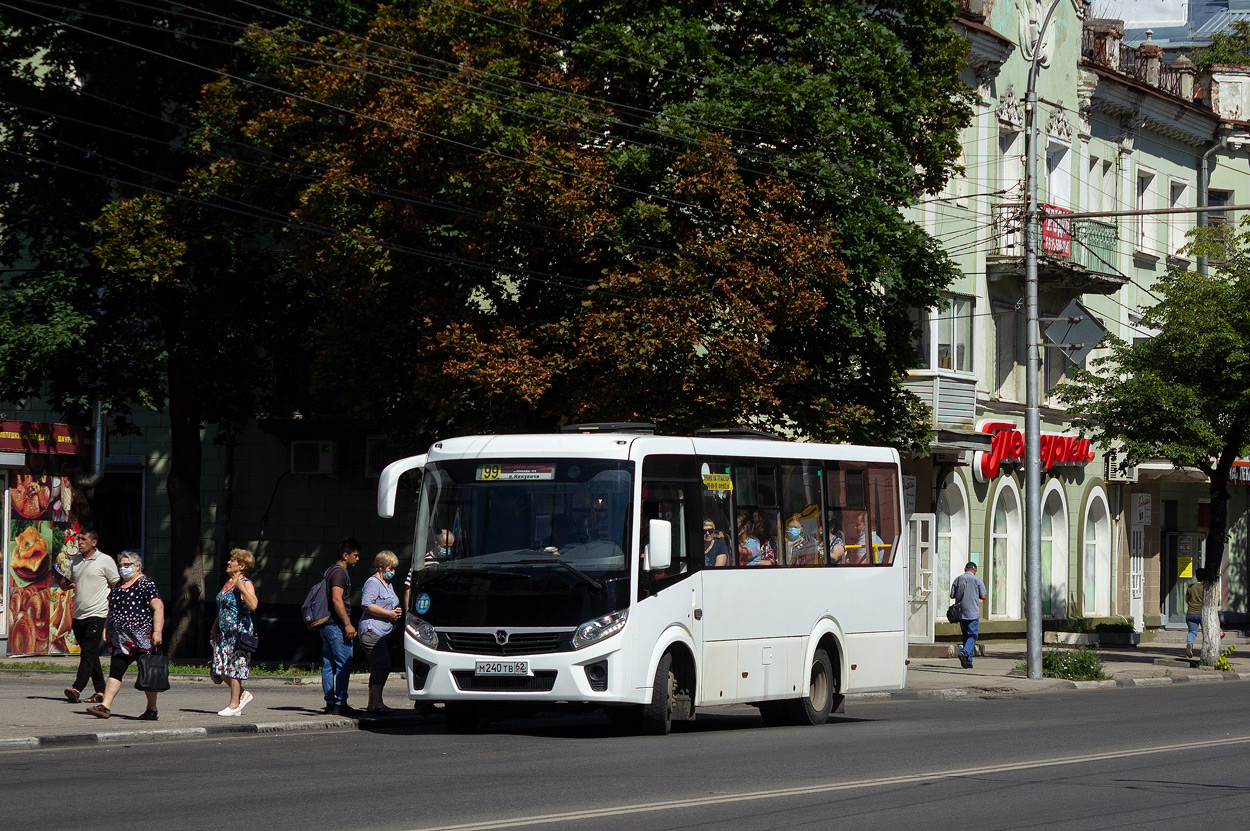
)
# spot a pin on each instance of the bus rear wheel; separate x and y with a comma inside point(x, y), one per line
point(462, 717)
point(814, 707)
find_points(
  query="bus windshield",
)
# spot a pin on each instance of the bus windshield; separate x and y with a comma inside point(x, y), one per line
point(533, 518)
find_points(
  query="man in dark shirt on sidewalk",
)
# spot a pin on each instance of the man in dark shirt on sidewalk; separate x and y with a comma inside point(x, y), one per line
point(337, 635)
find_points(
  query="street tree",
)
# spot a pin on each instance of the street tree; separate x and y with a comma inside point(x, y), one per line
point(116, 283)
point(1184, 394)
point(528, 213)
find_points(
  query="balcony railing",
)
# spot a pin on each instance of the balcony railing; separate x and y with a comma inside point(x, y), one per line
point(1094, 245)
point(1088, 243)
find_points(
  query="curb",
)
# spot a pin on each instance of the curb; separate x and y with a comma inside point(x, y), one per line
point(1155, 682)
point(126, 737)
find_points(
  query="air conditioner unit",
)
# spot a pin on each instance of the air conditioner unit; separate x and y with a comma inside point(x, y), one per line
point(313, 457)
point(378, 455)
point(1114, 473)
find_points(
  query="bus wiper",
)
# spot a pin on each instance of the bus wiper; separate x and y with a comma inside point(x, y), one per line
point(555, 561)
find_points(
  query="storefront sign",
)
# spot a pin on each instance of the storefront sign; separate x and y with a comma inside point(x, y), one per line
point(43, 438)
point(1141, 509)
point(1008, 446)
point(1240, 474)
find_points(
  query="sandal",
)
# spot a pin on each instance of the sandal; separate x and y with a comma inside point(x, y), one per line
point(380, 710)
point(148, 715)
point(99, 711)
point(72, 695)
point(94, 698)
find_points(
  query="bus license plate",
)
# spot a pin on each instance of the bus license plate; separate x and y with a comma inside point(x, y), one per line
point(501, 668)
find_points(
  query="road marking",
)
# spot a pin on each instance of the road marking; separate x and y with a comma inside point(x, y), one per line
point(781, 793)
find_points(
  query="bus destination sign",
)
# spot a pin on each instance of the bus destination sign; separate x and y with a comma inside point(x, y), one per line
point(514, 472)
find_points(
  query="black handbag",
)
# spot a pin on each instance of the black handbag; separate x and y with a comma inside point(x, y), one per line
point(246, 642)
point(953, 613)
point(153, 672)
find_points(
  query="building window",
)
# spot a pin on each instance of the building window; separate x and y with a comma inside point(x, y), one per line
point(952, 533)
point(1058, 176)
point(1145, 202)
point(1054, 553)
point(1178, 224)
point(1006, 553)
point(1096, 563)
point(1006, 352)
point(944, 336)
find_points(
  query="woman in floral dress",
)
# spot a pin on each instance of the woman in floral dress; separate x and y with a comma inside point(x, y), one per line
point(235, 603)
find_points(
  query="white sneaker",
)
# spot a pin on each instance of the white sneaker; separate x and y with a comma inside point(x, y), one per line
point(244, 699)
point(231, 711)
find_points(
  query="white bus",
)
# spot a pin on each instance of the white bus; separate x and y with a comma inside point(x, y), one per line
point(653, 575)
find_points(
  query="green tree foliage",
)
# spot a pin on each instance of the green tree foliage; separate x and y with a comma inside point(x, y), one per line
point(111, 288)
point(1184, 394)
point(1231, 46)
point(540, 212)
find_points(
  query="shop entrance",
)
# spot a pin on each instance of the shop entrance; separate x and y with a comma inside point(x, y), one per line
point(1182, 554)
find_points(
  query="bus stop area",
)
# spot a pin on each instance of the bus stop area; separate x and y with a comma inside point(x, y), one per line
point(34, 713)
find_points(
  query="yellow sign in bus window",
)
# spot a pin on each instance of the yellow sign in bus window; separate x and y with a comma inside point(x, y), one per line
point(718, 482)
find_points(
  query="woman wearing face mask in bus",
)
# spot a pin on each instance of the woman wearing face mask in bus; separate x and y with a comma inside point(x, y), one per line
point(379, 611)
point(802, 549)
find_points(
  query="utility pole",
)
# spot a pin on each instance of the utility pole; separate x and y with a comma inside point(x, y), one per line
point(1032, 412)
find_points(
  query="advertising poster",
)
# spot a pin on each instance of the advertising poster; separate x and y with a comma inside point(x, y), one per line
point(46, 511)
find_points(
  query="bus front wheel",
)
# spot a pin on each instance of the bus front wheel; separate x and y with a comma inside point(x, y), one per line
point(656, 718)
point(814, 707)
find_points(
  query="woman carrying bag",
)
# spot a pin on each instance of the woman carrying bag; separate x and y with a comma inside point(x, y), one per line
point(233, 635)
point(135, 620)
point(379, 612)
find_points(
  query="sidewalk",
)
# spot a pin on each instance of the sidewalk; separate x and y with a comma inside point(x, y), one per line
point(1156, 663)
point(35, 714)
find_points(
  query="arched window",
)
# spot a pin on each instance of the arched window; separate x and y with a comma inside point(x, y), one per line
point(1054, 552)
point(1006, 552)
point(1096, 563)
point(952, 533)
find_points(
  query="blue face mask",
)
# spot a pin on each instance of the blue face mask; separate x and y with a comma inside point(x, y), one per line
point(126, 572)
point(444, 553)
point(388, 574)
point(794, 533)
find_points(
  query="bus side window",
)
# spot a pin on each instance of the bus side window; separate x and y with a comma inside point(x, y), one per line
point(886, 524)
point(719, 531)
point(800, 498)
point(847, 541)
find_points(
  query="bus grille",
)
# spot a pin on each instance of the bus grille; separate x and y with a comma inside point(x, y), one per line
point(519, 643)
point(541, 681)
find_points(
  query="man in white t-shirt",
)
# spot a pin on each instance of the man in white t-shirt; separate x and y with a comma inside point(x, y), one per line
point(91, 574)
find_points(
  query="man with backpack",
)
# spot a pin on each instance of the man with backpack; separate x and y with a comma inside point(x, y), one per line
point(338, 633)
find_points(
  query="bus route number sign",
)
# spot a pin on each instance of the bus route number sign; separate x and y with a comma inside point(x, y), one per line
point(512, 472)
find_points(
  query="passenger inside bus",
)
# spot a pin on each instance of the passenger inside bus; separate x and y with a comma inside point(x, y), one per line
point(802, 548)
point(837, 543)
point(715, 551)
point(859, 552)
point(752, 549)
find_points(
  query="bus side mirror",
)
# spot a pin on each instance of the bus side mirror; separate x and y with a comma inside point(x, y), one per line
point(660, 549)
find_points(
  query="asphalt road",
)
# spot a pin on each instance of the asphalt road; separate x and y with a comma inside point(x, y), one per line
point(1142, 758)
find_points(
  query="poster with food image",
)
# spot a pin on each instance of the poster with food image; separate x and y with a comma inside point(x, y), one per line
point(40, 615)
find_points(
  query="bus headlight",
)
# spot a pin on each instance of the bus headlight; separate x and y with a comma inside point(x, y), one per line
point(421, 631)
point(599, 628)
